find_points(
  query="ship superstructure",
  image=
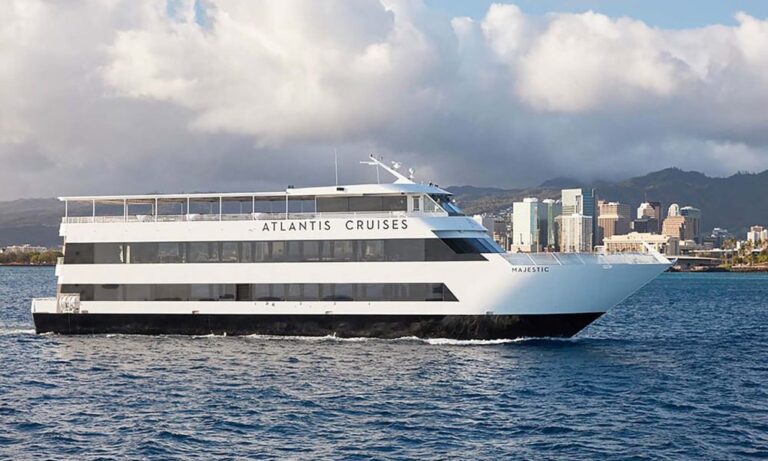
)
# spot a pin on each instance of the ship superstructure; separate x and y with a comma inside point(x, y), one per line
point(375, 260)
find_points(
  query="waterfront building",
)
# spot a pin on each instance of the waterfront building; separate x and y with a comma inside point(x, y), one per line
point(525, 226)
point(549, 210)
point(25, 249)
point(693, 218)
point(613, 219)
point(575, 233)
point(757, 235)
point(636, 241)
point(581, 201)
point(718, 236)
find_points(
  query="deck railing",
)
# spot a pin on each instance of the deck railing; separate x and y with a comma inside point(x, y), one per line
point(244, 217)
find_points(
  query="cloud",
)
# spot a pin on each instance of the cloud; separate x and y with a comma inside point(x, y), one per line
point(132, 96)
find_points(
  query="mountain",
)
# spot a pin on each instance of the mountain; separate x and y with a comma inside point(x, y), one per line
point(33, 221)
point(735, 202)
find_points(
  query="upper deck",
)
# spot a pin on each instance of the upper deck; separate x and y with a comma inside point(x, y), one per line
point(400, 198)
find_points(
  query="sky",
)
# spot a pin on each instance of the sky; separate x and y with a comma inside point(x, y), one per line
point(139, 96)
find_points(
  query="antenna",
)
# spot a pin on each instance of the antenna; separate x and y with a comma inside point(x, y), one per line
point(336, 164)
point(379, 163)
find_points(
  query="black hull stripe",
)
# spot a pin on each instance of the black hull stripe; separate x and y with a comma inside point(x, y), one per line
point(372, 326)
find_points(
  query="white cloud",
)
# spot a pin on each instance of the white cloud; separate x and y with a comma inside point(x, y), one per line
point(144, 95)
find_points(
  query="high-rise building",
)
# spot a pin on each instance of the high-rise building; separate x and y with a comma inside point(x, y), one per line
point(525, 225)
point(645, 225)
point(549, 210)
point(649, 218)
point(649, 210)
point(674, 210)
point(757, 235)
point(575, 233)
point(613, 219)
point(693, 216)
point(581, 201)
point(677, 226)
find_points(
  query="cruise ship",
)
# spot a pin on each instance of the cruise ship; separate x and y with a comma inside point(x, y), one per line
point(386, 260)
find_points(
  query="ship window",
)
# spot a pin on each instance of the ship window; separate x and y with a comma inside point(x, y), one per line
point(245, 251)
point(416, 202)
point(434, 249)
point(243, 292)
point(404, 249)
point(78, 253)
point(108, 253)
point(396, 203)
point(202, 252)
point(372, 250)
point(341, 292)
point(311, 251)
point(343, 250)
point(276, 251)
point(170, 252)
point(293, 250)
point(332, 204)
point(447, 204)
point(301, 205)
point(143, 252)
point(365, 203)
point(229, 252)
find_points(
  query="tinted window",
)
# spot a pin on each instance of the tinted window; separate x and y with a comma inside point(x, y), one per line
point(264, 292)
point(448, 249)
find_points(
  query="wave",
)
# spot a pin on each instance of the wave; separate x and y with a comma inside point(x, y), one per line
point(404, 339)
point(16, 331)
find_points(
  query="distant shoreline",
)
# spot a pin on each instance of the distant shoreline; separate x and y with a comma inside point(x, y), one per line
point(25, 265)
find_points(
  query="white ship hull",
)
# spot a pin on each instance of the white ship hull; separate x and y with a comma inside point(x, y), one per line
point(413, 272)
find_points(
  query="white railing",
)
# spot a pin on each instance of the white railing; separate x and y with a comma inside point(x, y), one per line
point(245, 216)
point(68, 303)
point(568, 259)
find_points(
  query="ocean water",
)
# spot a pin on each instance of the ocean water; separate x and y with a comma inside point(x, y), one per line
point(677, 371)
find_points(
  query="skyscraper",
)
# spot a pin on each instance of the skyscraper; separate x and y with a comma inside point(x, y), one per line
point(581, 201)
point(549, 210)
point(649, 218)
point(693, 217)
point(613, 219)
point(525, 225)
point(575, 233)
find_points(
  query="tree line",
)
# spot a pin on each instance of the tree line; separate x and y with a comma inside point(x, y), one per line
point(33, 258)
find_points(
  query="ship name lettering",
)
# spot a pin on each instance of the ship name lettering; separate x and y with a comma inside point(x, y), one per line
point(376, 224)
point(283, 226)
point(530, 269)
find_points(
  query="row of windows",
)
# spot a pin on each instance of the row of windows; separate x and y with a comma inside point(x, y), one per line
point(264, 292)
point(364, 203)
point(447, 249)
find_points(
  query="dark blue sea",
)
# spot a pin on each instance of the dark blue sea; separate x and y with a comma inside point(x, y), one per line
point(677, 371)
